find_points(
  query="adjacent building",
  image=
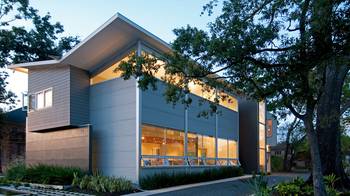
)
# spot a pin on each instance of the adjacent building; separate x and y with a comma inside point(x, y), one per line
point(12, 137)
point(82, 113)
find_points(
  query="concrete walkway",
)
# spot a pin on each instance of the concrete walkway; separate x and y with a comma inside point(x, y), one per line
point(230, 186)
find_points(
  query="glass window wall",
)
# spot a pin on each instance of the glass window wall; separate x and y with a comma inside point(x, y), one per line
point(163, 146)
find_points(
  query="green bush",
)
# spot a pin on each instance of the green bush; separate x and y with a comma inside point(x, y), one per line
point(299, 187)
point(295, 187)
point(102, 184)
point(162, 180)
point(276, 163)
point(43, 174)
point(16, 172)
point(259, 185)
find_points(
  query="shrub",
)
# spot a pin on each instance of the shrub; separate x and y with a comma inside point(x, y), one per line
point(276, 163)
point(295, 187)
point(299, 187)
point(43, 174)
point(162, 180)
point(259, 185)
point(102, 184)
point(16, 172)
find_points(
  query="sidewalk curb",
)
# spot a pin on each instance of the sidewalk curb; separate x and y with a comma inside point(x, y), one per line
point(176, 188)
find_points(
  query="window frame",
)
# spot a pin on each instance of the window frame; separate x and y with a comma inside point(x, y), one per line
point(34, 106)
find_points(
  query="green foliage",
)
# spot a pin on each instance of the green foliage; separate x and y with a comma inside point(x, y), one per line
point(345, 143)
point(16, 172)
point(102, 184)
point(43, 40)
point(299, 187)
point(161, 180)
point(330, 180)
point(276, 163)
point(43, 174)
point(259, 185)
point(296, 187)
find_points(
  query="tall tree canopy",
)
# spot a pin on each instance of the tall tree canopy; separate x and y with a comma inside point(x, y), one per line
point(40, 40)
point(296, 53)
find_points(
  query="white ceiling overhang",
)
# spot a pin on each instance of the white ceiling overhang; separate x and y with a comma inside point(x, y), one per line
point(114, 36)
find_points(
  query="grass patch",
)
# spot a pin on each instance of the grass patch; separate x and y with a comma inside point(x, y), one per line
point(42, 174)
point(102, 184)
point(162, 180)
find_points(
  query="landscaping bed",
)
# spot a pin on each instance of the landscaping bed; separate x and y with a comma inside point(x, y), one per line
point(51, 178)
point(163, 180)
point(298, 186)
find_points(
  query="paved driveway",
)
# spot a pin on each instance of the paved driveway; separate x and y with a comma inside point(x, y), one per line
point(237, 187)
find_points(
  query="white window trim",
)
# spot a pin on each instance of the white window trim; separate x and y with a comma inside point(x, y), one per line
point(36, 100)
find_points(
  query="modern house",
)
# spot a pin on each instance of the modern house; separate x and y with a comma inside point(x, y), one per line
point(82, 113)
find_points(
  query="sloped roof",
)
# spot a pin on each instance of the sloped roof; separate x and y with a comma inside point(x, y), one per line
point(117, 34)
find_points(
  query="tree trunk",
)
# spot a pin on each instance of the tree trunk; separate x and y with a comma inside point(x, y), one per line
point(291, 159)
point(328, 124)
point(287, 162)
point(285, 158)
point(317, 177)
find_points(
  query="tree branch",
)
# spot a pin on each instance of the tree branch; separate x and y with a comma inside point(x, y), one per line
point(251, 16)
point(273, 50)
point(263, 64)
point(294, 112)
point(345, 107)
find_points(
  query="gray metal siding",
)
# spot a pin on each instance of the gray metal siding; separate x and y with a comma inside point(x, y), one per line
point(57, 78)
point(156, 111)
point(228, 123)
point(113, 118)
point(203, 124)
point(79, 96)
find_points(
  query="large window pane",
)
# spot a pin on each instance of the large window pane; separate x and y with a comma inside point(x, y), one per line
point(153, 141)
point(222, 148)
point(262, 131)
point(262, 112)
point(175, 143)
point(232, 149)
point(206, 147)
point(228, 101)
point(262, 159)
point(40, 100)
point(48, 98)
point(108, 73)
point(192, 147)
point(200, 89)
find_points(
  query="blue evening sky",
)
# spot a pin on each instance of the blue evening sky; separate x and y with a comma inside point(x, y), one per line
point(82, 17)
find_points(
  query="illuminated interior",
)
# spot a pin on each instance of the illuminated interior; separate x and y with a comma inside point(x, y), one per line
point(109, 73)
point(262, 112)
point(262, 136)
point(158, 142)
point(232, 149)
point(222, 148)
point(196, 88)
point(206, 146)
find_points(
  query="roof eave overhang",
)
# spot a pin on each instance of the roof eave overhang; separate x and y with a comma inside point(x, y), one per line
point(108, 39)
